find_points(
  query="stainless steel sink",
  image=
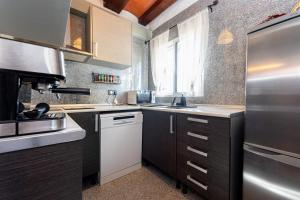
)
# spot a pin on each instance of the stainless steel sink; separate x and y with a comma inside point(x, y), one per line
point(181, 107)
point(168, 106)
point(78, 108)
point(156, 105)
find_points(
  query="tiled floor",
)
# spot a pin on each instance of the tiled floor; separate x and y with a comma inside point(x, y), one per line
point(144, 184)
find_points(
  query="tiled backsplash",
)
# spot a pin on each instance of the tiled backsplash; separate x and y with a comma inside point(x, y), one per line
point(226, 64)
point(80, 75)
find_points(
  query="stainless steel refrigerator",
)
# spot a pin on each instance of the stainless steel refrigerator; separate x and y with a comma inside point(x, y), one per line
point(272, 127)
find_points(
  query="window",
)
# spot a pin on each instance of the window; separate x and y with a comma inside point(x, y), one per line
point(137, 78)
point(178, 65)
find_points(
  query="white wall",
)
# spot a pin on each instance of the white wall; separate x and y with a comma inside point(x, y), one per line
point(169, 13)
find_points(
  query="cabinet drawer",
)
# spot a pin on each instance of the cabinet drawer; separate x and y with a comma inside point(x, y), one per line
point(194, 123)
point(188, 166)
point(193, 153)
point(218, 193)
point(195, 139)
point(197, 185)
point(219, 144)
point(219, 178)
point(203, 124)
point(215, 180)
point(219, 175)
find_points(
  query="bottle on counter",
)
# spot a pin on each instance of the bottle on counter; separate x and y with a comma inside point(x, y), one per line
point(113, 78)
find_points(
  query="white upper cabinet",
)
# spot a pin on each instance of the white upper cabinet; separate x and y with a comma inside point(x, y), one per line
point(111, 38)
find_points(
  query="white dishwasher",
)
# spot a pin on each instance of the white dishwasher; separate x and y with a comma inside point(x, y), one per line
point(121, 144)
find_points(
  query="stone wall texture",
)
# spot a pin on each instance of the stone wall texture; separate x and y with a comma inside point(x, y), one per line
point(225, 64)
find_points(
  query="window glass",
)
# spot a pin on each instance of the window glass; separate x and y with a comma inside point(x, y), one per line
point(166, 86)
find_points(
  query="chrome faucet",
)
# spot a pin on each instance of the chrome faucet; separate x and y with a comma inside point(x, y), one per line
point(182, 102)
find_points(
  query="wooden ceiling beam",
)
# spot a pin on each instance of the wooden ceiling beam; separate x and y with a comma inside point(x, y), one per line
point(158, 7)
point(115, 5)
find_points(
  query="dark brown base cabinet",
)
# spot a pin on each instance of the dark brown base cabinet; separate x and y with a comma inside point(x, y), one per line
point(89, 121)
point(205, 152)
point(51, 172)
point(159, 140)
point(209, 155)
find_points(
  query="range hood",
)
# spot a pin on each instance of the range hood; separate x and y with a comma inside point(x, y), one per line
point(41, 22)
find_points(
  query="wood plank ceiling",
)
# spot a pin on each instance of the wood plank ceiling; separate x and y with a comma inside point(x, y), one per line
point(144, 10)
point(138, 7)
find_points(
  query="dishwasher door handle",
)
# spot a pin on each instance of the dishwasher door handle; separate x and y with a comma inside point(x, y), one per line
point(124, 119)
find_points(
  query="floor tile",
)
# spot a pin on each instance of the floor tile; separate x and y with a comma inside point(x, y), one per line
point(144, 184)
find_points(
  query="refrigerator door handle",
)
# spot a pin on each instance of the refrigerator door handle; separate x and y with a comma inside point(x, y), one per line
point(273, 156)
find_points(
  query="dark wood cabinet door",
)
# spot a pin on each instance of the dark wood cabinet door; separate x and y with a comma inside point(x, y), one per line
point(91, 147)
point(50, 172)
point(159, 140)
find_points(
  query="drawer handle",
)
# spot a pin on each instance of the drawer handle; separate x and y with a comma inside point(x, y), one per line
point(189, 163)
point(201, 153)
point(204, 187)
point(203, 121)
point(202, 137)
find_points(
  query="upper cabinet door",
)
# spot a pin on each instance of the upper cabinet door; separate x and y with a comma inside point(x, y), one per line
point(111, 38)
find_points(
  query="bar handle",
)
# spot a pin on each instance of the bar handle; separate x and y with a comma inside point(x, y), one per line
point(204, 187)
point(274, 156)
point(201, 153)
point(71, 90)
point(96, 123)
point(202, 137)
point(192, 119)
point(171, 124)
point(95, 49)
point(189, 163)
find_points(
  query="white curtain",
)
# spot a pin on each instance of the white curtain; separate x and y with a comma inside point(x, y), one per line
point(138, 78)
point(162, 64)
point(192, 49)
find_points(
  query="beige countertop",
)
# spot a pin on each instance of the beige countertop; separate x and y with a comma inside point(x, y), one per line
point(75, 108)
point(225, 111)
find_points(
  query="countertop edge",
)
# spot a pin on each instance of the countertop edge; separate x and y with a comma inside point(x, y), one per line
point(183, 111)
point(72, 133)
point(162, 109)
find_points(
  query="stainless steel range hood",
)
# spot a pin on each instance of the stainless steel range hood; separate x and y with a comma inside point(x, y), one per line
point(37, 21)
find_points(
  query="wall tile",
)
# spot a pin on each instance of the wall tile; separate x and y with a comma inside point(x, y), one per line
point(80, 75)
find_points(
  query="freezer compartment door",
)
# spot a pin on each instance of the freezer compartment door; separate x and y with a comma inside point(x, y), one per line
point(273, 87)
point(270, 176)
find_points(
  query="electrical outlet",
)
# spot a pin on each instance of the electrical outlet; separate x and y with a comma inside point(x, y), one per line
point(112, 92)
